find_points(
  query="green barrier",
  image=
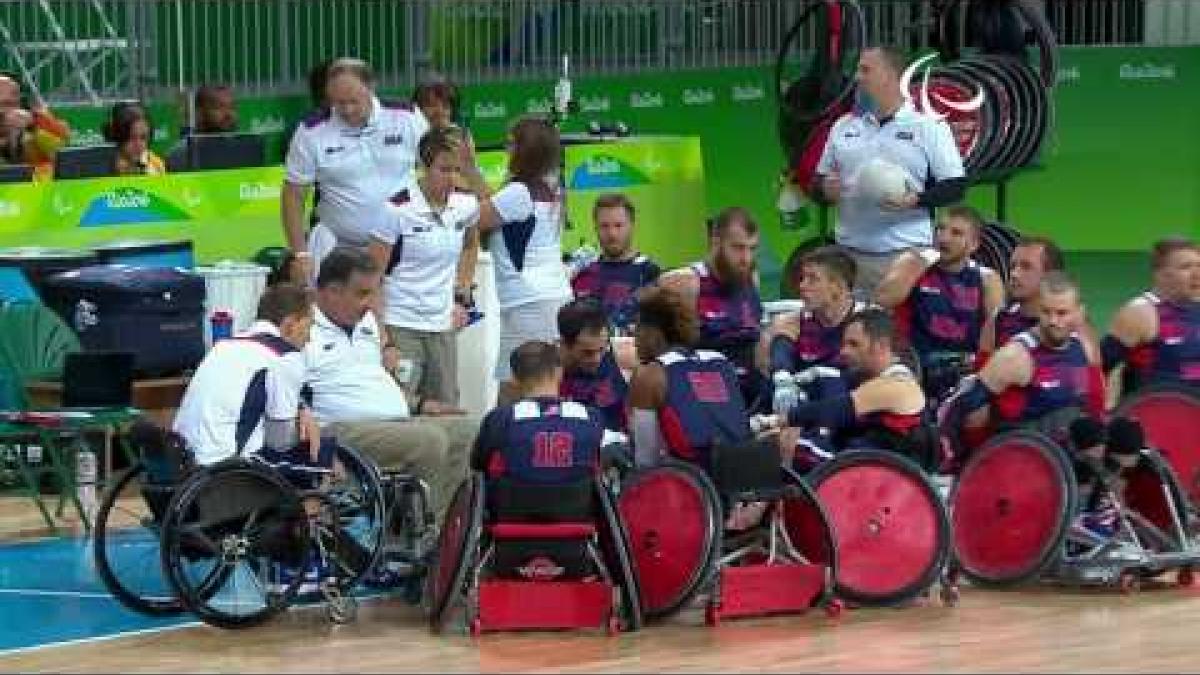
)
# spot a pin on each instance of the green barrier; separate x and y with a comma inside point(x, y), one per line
point(232, 214)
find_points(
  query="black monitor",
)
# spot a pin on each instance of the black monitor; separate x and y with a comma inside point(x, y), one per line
point(16, 173)
point(99, 379)
point(235, 150)
point(94, 161)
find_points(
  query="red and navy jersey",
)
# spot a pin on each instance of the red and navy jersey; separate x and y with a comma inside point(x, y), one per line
point(730, 320)
point(1011, 321)
point(704, 405)
point(1174, 355)
point(894, 431)
point(944, 311)
point(544, 441)
point(1060, 380)
point(817, 344)
point(615, 284)
point(604, 389)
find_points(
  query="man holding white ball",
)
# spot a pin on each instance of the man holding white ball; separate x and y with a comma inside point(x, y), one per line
point(887, 166)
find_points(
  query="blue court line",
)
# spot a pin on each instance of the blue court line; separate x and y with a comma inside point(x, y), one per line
point(50, 594)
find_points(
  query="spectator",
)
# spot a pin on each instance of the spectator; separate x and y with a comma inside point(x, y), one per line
point(130, 128)
point(216, 111)
point(29, 134)
point(360, 150)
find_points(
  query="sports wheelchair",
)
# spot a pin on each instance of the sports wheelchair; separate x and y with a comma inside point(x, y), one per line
point(1016, 518)
point(234, 542)
point(524, 556)
point(1168, 414)
point(785, 562)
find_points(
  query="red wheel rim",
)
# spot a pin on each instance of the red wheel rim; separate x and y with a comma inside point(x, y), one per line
point(1169, 420)
point(886, 525)
point(669, 521)
point(1010, 508)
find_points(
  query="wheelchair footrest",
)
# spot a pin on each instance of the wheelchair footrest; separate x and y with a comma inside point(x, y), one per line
point(544, 605)
point(757, 590)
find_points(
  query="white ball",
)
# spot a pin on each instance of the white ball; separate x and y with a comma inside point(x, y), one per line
point(880, 179)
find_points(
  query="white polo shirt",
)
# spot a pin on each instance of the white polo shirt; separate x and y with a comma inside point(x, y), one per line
point(418, 283)
point(922, 146)
point(358, 168)
point(527, 248)
point(346, 375)
point(241, 381)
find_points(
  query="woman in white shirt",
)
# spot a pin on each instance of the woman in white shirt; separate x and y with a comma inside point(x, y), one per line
point(427, 256)
point(523, 225)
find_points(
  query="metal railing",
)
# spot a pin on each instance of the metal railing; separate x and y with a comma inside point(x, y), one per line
point(94, 51)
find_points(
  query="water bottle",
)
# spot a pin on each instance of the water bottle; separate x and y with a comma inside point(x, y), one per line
point(85, 479)
point(786, 396)
point(222, 325)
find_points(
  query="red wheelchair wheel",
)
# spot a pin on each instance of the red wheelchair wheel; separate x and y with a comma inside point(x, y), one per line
point(460, 534)
point(672, 518)
point(1011, 507)
point(890, 527)
point(1169, 414)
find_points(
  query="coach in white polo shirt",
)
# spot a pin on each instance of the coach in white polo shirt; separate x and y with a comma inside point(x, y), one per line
point(360, 150)
point(355, 398)
point(428, 262)
point(886, 126)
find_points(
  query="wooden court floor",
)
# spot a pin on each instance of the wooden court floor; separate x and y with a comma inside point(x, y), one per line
point(1042, 630)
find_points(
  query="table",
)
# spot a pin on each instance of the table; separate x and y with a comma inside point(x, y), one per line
point(60, 434)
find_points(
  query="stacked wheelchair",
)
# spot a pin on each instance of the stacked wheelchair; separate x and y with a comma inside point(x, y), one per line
point(237, 543)
point(1015, 506)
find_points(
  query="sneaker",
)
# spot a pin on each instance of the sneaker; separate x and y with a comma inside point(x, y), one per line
point(314, 573)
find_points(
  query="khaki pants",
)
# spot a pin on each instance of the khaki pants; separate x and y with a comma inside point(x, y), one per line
point(432, 360)
point(870, 270)
point(435, 449)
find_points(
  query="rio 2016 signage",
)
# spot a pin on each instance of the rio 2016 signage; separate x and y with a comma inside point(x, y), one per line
point(233, 214)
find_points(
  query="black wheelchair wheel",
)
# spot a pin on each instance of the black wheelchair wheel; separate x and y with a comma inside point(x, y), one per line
point(614, 543)
point(458, 542)
point(127, 545)
point(349, 532)
point(236, 544)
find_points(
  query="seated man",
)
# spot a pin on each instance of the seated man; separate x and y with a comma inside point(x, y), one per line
point(357, 400)
point(244, 398)
point(684, 402)
point(591, 375)
point(1032, 259)
point(1156, 336)
point(29, 134)
point(621, 271)
point(723, 293)
point(884, 410)
point(1043, 378)
point(541, 439)
point(941, 298)
point(812, 336)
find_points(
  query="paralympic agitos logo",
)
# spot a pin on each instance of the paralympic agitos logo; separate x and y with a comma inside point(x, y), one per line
point(927, 97)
